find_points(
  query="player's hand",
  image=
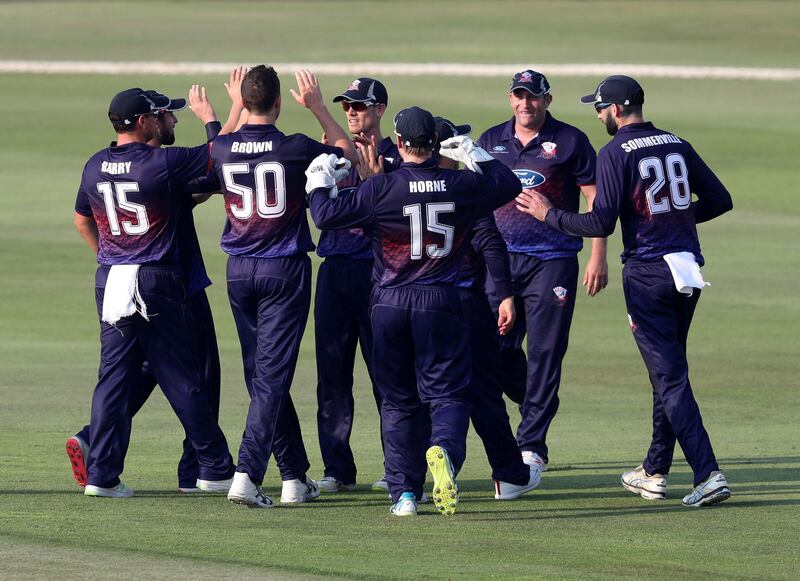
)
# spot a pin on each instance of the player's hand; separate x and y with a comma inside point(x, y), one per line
point(462, 149)
point(234, 85)
point(506, 315)
point(595, 277)
point(308, 93)
point(531, 202)
point(200, 105)
point(369, 163)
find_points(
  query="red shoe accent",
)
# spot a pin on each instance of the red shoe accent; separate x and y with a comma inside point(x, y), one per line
point(497, 487)
point(77, 461)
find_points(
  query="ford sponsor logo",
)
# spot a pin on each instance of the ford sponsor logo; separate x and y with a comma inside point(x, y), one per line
point(499, 148)
point(529, 178)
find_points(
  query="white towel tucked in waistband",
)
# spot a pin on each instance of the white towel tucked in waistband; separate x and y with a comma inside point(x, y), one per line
point(685, 272)
point(122, 298)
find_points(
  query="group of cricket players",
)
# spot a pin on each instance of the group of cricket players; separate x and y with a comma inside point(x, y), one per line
point(440, 254)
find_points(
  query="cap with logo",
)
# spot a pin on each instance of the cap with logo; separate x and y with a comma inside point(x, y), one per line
point(533, 82)
point(617, 89)
point(415, 127)
point(364, 90)
point(445, 129)
point(164, 103)
point(129, 104)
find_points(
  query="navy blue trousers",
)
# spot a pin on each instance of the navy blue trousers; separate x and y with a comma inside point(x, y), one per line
point(202, 323)
point(660, 318)
point(270, 299)
point(489, 416)
point(341, 323)
point(544, 297)
point(421, 365)
point(167, 342)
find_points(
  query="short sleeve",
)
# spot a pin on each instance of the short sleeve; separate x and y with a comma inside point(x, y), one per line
point(584, 161)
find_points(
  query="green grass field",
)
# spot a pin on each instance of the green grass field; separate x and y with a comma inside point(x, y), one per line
point(579, 523)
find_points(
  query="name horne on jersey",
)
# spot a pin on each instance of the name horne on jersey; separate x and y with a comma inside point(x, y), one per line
point(251, 146)
point(423, 186)
point(115, 167)
point(529, 178)
point(650, 141)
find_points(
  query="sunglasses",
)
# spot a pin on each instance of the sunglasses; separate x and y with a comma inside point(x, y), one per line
point(600, 106)
point(358, 107)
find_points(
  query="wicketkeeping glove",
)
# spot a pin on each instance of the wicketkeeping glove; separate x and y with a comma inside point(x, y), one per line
point(325, 171)
point(461, 148)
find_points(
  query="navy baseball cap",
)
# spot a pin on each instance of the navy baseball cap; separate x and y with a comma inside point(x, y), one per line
point(164, 103)
point(445, 129)
point(129, 104)
point(415, 127)
point(617, 89)
point(533, 82)
point(364, 90)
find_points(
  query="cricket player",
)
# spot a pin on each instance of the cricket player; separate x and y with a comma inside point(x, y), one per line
point(420, 217)
point(511, 476)
point(196, 279)
point(341, 300)
point(646, 177)
point(129, 206)
point(558, 160)
point(267, 238)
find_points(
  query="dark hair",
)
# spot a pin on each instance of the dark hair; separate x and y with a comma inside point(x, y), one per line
point(118, 123)
point(419, 151)
point(260, 89)
point(628, 110)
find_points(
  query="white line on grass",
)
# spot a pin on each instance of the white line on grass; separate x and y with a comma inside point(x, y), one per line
point(407, 69)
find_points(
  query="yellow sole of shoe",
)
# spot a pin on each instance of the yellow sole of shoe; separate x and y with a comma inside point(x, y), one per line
point(445, 491)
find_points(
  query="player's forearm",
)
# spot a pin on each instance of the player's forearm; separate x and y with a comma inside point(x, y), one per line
point(710, 206)
point(506, 184)
point(599, 248)
point(232, 124)
point(87, 228)
point(590, 224)
point(335, 134)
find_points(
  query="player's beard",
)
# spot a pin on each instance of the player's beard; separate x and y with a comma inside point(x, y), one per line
point(611, 125)
point(166, 136)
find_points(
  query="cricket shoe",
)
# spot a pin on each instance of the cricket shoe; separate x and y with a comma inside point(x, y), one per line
point(333, 484)
point(406, 505)
point(121, 490)
point(648, 486)
point(533, 460)
point(295, 491)
point(78, 452)
point(445, 490)
point(508, 491)
point(247, 493)
point(381, 484)
point(214, 485)
point(712, 490)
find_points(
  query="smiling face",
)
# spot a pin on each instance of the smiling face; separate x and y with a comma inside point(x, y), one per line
point(363, 118)
point(529, 109)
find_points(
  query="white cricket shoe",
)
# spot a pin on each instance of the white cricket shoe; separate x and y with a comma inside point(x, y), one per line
point(445, 490)
point(121, 490)
point(333, 484)
point(648, 486)
point(533, 460)
point(712, 490)
point(294, 491)
point(214, 485)
point(508, 491)
point(406, 505)
point(246, 492)
point(381, 484)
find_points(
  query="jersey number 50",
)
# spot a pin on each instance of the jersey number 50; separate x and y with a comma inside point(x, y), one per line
point(678, 175)
point(270, 202)
point(432, 211)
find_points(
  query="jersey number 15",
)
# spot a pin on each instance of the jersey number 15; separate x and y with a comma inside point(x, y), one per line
point(432, 211)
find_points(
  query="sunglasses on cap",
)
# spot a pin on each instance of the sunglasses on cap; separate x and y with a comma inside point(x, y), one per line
point(600, 106)
point(358, 107)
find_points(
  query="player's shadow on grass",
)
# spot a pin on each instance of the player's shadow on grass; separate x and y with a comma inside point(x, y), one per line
point(624, 465)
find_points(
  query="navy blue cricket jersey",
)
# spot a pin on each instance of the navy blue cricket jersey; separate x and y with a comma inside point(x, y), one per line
point(134, 193)
point(352, 242)
point(262, 175)
point(646, 177)
point(556, 163)
point(488, 252)
point(420, 218)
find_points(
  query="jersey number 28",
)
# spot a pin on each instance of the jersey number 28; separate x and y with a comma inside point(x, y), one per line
point(676, 174)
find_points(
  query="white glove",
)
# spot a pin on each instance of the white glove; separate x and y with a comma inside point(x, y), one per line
point(461, 148)
point(325, 171)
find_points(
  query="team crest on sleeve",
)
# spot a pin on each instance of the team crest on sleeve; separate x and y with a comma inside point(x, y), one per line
point(561, 295)
point(549, 150)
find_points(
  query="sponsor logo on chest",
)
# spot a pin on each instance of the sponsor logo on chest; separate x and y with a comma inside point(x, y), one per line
point(529, 178)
